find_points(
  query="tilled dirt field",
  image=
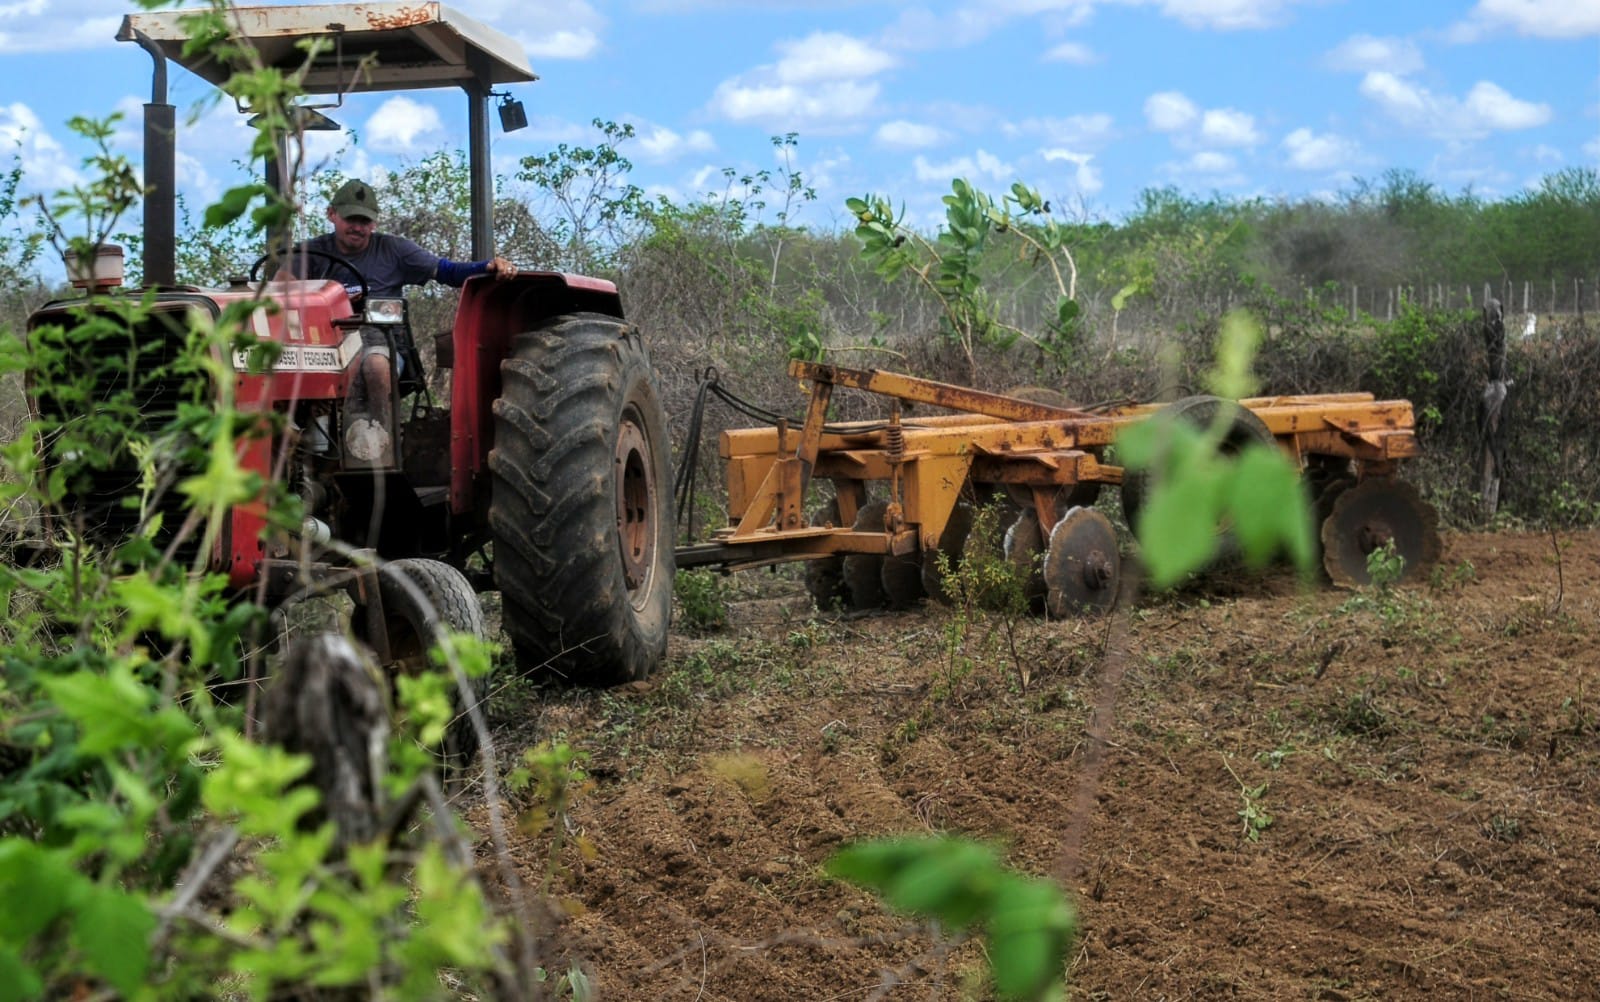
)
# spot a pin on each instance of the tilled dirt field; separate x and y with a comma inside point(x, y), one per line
point(1420, 768)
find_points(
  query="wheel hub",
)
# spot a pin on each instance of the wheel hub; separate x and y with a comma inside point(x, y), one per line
point(1097, 570)
point(636, 530)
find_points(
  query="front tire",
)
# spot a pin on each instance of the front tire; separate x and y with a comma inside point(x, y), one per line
point(580, 511)
point(422, 601)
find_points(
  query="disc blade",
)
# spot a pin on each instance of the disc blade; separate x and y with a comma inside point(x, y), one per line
point(1082, 568)
point(1370, 514)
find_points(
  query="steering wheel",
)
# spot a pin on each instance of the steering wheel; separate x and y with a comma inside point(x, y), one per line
point(297, 251)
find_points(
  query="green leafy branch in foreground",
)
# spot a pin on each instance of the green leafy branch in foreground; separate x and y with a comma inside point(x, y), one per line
point(1201, 489)
point(950, 265)
point(148, 849)
point(962, 885)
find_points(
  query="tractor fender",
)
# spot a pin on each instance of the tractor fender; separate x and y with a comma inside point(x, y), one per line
point(491, 313)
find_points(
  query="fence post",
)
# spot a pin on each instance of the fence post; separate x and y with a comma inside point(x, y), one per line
point(1491, 412)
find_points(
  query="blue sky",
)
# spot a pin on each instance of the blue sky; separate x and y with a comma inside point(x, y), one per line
point(1089, 101)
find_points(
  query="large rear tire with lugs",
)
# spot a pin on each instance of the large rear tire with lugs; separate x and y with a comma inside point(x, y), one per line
point(581, 507)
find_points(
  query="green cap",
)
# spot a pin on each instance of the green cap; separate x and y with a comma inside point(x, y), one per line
point(355, 199)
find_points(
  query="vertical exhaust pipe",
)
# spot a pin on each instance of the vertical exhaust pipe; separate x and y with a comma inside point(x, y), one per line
point(160, 175)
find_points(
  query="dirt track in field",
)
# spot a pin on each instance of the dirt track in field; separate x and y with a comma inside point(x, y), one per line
point(1427, 760)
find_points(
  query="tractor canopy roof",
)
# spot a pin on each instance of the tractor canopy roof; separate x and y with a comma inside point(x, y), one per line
point(375, 46)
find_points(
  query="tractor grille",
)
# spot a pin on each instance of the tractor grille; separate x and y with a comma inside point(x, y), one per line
point(108, 391)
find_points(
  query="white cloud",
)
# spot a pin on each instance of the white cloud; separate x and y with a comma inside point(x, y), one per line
point(566, 43)
point(1490, 104)
point(1309, 151)
point(1092, 129)
point(1169, 111)
point(982, 164)
point(827, 56)
point(1545, 154)
point(1075, 53)
point(1487, 108)
point(1225, 15)
point(1401, 98)
point(1361, 53)
point(1172, 112)
point(820, 83)
point(45, 164)
point(1535, 18)
point(786, 107)
point(903, 135)
point(550, 29)
point(1086, 177)
point(1228, 127)
point(401, 125)
point(659, 143)
point(42, 26)
point(920, 28)
point(1211, 162)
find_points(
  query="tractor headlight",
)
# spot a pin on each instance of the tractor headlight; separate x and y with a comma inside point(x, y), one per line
point(385, 311)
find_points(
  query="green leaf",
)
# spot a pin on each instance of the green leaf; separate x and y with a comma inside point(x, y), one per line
point(1268, 505)
point(43, 878)
point(111, 708)
point(1236, 347)
point(17, 979)
point(1030, 930)
point(231, 206)
point(1178, 525)
point(113, 931)
point(948, 883)
point(1067, 311)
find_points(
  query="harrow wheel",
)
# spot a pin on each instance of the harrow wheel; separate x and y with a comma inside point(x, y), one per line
point(863, 572)
point(1024, 549)
point(1372, 514)
point(1082, 567)
point(952, 542)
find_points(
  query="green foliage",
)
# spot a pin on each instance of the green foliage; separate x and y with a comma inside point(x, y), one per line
point(20, 245)
point(988, 597)
point(111, 187)
point(592, 205)
point(702, 599)
point(1198, 486)
point(961, 885)
point(1404, 360)
point(124, 785)
point(951, 264)
point(1385, 567)
point(1253, 817)
point(552, 778)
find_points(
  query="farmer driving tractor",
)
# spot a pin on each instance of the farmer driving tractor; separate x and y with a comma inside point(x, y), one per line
point(389, 263)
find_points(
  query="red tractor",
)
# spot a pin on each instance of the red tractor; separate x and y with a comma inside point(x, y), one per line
point(548, 475)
